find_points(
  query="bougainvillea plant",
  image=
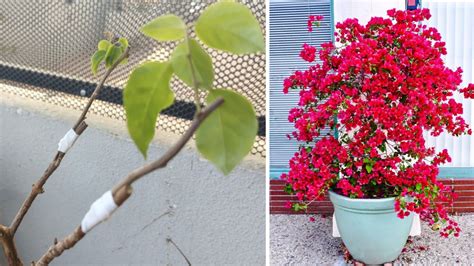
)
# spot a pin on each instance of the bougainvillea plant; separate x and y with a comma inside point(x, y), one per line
point(380, 88)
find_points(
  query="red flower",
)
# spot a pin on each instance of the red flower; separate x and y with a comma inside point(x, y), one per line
point(308, 53)
point(381, 90)
point(468, 91)
point(314, 21)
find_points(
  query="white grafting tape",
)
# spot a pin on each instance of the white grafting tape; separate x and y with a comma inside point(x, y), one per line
point(414, 231)
point(100, 210)
point(67, 141)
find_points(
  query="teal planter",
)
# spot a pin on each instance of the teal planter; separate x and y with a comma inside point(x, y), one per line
point(370, 228)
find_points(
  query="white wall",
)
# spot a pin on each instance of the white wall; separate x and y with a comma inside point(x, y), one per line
point(363, 10)
point(454, 20)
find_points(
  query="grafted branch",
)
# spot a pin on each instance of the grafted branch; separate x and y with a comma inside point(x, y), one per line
point(8, 233)
point(122, 191)
point(78, 127)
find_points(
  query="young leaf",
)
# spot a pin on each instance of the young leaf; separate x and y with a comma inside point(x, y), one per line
point(113, 53)
point(227, 135)
point(165, 28)
point(96, 60)
point(201, 64)
point(368, 167)
point(146, 94)
point(123, 43)
point(230, 27)
point(103, 45)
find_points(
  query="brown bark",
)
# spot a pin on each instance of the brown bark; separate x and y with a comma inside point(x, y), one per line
point(8, 233)
point(122, 191)
point(78, 127)
point(59, 247)
point(9, 248)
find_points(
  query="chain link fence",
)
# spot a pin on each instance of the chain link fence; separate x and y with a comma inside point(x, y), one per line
point(45, 50)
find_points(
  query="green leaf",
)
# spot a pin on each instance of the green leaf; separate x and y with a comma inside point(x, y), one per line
point(123, 43)
point(299, 207)
point(227, 135)
point(146, 94)
point(165, 28)
point(201, 63)
point(418, 187)
point(368, 167)
point(113, 53)
point(230, 27)
point(96, 60)
point(104, 45)
point(289, 189)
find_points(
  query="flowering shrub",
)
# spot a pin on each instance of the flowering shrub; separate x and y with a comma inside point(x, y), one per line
point(379, 91)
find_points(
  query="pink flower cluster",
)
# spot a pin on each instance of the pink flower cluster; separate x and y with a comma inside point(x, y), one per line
point(380, 91)
point(314, 21)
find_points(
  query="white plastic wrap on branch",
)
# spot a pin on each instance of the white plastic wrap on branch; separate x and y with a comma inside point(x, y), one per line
point(100, 210)
point(67, 141)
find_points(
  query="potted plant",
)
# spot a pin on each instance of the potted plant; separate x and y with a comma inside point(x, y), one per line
point(378, 90)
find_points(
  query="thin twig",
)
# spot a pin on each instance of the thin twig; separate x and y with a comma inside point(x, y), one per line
point(180, 251)
point(99, 87)
point(79, 127)
point(163, 161)
point(122, 191)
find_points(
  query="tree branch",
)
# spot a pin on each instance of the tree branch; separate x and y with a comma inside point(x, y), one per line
point(8, 245)
point(79, 127)
point(99, 87)
point(122, 191)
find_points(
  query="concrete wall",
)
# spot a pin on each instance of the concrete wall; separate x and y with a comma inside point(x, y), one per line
point(215, 219)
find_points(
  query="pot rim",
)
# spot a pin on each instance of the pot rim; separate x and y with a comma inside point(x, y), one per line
point(382, 205)
point(390, 199)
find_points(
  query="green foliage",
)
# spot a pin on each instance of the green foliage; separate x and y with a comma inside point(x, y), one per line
point(165, 28)
point(227, 135)
point(368, 167)
point(190, 58)
point(113, 53)
point(299, 207)
point(108, 52)
point(96, 59)
point(230, 27)
point(369, 164)
point(104, 45)
point(146, 94)
point(289, 189)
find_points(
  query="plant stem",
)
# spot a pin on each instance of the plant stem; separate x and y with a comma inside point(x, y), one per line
point(79, 127)
point(8, 245)
point(8, 233)
point(196, 84)
point(122, 191)
point(99, 87)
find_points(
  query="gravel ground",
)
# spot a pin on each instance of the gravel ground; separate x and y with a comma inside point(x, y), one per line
point(297, 241)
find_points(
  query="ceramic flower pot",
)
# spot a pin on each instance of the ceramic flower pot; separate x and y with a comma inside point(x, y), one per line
point(370, 228)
